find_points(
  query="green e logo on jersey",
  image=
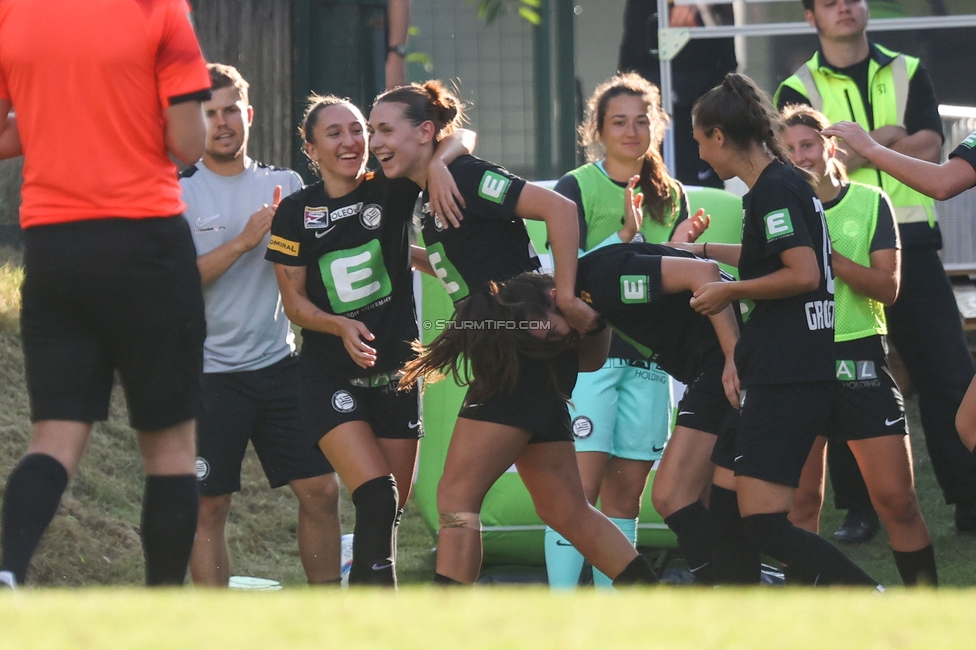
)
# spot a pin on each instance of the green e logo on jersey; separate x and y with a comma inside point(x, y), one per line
point(778, 224)
point(633, 289)
point(355, 277)
point(452, 281)
point(493, 187)
point(970, 142)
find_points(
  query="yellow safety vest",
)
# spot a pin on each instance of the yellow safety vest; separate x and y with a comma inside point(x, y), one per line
point(837, 96)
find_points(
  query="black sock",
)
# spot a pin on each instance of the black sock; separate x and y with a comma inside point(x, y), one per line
point(396, 529)
point(811, 558)
point(692, 527)
point(33, 493)
point(169, 521)
point(638, 572)
point(917, 567)
point(735, 561)
point(444, 581)
point(372, 542)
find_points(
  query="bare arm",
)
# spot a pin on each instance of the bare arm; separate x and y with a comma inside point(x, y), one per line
point(880, 281)
point(721, 253)
point(923, 145)
point(420, 262)
point(938, 181)
point(445, 197)
point(186, 131)
point(215, 263)
point(593, 350)
point(301, 311)
point(800, 274)
point(397, 23)
point(682, 274)
point(10, 146)
point(562, 228)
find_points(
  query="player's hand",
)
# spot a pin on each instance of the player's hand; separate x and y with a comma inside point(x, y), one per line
point(354, 336)
point(633, 211)
point(579, 315)
point(690, 230)
point(446, 201)
point(711, 298)
point(730, 381)
point(259, 223)
point(855, 138)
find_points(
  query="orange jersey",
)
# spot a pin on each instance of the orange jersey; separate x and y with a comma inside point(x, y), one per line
point(89, 81)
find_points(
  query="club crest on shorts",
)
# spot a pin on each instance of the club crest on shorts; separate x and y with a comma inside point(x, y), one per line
point(202, 468)
point(370, 216)
point(343, 401)
point(582, 427)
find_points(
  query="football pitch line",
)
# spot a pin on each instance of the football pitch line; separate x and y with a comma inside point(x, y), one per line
point(424, 617)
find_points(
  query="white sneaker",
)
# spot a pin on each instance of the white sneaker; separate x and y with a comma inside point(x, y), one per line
point(7, 580)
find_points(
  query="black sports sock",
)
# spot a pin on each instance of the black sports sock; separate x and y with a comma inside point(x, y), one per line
point(917, 567)
point(735, 561)
point(372, 542)
point(169, 521)
point(444, 581)
point(638, 572)
point(396, 529)
point(811, 558)
point(33, 493)
point(692, 527)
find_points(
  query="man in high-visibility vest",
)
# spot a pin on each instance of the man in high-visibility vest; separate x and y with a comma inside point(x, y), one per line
point(891, 95)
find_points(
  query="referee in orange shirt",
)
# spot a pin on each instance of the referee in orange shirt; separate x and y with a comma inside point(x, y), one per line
point(111, 279)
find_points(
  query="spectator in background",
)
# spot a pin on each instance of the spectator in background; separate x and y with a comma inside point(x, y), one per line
point(699, 66)
point(890, 94)
point(111, 279)
point(250, 384)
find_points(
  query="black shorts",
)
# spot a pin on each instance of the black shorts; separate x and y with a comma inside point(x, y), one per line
point(536, 404)
point(775, 430)
point(328, 401)
point(868, 403)
point(704, 406)
point(262, 406)
point(112, 295)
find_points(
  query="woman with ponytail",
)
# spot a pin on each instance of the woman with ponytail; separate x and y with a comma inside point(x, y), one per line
point(785, 354)
point(515, 409)
point(353, 226)
point(622, 414)
point(869, 414)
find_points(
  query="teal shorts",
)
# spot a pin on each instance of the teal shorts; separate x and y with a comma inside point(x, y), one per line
point(625, 409)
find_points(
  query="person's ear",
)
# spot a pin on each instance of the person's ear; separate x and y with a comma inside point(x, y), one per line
point(250, 115)
point(427, 132)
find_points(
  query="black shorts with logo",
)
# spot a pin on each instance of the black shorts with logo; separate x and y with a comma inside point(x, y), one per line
point(328, 401)
point(868, 403)
point(775, 429)
point(262, 406)
point(704, 406)
point(109, 295)
point(535, 404)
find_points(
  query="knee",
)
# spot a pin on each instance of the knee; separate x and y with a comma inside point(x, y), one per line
point(319, 494)
point(213, 512)
point(897, 508)
point(966, 427)
point(563, 515)
point(664, 501)
point(456, 495)
point(806, 505)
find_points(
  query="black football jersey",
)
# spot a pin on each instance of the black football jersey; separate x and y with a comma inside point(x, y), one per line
point(622, 282)
point(357, 253)
point(787, 340)
point(491, 243)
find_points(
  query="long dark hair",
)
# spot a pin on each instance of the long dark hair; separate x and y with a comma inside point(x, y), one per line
point(482, 350)
point(655, 182)
point(746, 117)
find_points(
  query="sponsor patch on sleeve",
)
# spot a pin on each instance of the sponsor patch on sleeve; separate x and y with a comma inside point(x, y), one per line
point(282, 245)
point(316, 217)
point(778, 224)
point(493, 187)
point(970, 142)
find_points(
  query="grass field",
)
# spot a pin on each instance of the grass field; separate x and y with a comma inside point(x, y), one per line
point(487, 618)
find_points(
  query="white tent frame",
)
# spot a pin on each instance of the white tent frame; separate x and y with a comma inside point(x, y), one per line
point(671, 40)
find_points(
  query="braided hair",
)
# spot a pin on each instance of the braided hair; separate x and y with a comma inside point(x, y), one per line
point(745, 116)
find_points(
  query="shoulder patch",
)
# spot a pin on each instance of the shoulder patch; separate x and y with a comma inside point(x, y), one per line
point(189, 171)
point(282, 245)
point(969, 142)
point(778, 224)
point(493, 187)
